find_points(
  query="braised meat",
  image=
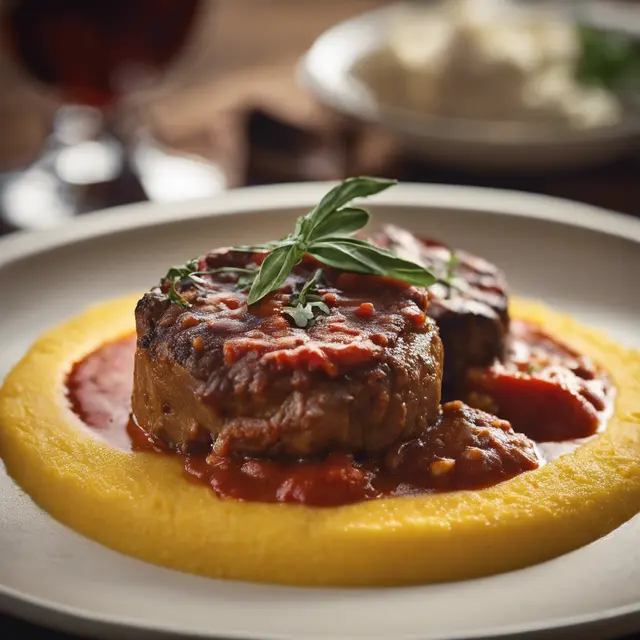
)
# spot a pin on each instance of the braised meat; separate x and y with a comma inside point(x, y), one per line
point(470, 304)
point(252, 382)
point(464, 448)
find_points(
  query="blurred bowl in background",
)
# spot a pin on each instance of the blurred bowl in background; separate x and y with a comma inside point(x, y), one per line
point(349, 68)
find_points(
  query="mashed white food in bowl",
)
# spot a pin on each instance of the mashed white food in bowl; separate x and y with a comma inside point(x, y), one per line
point(490, 60)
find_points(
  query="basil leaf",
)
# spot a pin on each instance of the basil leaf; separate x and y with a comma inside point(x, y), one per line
point(309, 289)
point(245, 281)
point(261, 248)
point(197, 281)
point(300, 315)
point(274, 271)
point(304, 315)
point(338, 197)
point(212, 272)
point(415, 274)
point(181, 271)
point(363, 257)
point(325, 233)
point(395, 267)
point(321, 306)
point(345, 257)
point(343, 222)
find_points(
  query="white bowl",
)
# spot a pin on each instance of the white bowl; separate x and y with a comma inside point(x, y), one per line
point(328, 71)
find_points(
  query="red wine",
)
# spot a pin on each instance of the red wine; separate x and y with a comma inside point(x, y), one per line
point(86, 49)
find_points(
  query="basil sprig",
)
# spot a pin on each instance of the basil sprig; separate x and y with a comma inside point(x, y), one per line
point(325, 233)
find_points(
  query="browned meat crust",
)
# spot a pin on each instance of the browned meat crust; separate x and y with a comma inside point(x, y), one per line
point(472, 314)
point(359, 379)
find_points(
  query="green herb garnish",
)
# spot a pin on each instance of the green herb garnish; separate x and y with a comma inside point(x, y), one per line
point(307, 305)
point(608, 60)
point(449, 267)
point(246, 279)
point(324, 233)
point(448, 278)
point(177, 274)
point(188, 274)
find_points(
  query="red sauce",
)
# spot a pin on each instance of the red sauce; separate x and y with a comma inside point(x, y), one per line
point(99, 390)
point(464, 449)
point(545, 389)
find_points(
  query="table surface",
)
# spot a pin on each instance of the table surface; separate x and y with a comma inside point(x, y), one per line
point(247, 115)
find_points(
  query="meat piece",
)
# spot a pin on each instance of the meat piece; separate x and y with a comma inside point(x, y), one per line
point(466, 448)
point(471, 310)
point(248, 379)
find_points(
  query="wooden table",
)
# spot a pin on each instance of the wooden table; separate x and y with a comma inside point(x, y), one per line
point(242, 94)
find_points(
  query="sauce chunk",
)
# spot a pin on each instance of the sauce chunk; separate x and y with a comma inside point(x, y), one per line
point(544, 388)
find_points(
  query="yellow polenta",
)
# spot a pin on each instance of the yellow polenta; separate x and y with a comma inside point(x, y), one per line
point(140, 503)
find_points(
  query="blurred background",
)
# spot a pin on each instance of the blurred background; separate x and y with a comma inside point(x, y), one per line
point(110, 102)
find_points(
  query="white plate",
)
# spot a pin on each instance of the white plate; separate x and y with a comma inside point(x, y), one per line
point(578, 258)
point(328, 72)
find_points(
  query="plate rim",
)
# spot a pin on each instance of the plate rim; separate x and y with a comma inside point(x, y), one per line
point(67, 613)
point(287, 196)
point(299, 195)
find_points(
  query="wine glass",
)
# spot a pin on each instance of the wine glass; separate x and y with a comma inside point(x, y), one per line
point(91, 55)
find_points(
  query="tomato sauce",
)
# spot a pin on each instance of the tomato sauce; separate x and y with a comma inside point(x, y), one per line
point(544, 389)
point(547, 376)
point(99, 390)
point(456, 452)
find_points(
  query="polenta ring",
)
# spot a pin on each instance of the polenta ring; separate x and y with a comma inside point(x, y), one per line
point(141, 505)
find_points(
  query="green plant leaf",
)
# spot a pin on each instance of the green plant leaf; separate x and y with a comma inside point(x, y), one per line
point(608, 60)
point(309, 288)
point(261, 248)
point(337, 198)
point(344, 257)
point(366, 258)
point(175, 297)
point(274, 271)
point(344, 222)
point(304, 315)
point(324, 233)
